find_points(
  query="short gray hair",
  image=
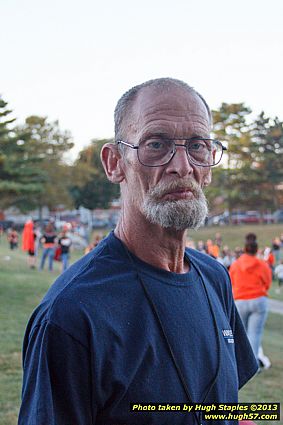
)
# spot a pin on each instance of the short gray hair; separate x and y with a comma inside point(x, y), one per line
point(125, 103)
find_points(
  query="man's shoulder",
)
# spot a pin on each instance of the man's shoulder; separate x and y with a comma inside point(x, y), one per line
point(102, 266)
point(83, 288)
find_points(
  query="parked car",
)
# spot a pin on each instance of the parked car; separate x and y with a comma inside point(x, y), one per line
point(278, 216)
point(252, 217)
point(238, 217)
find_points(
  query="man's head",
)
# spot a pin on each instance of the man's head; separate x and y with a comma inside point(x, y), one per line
point(169, 194)
point(123, 117)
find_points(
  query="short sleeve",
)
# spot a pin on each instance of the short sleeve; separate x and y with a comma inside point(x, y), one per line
point(57, 379)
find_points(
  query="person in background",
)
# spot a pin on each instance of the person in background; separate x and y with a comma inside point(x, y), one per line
point(65, 243)
point(251, 237)
point(190, 243)
point(237, 252)
point(38, 234)
point(278, 273)
point(226, 257)
point(276, 245)
point(201, 247)
point(1, 232)
point(13, 238)
point(94, 243)
point(218, 239)
point(251, 279)
point(28, 242)
point(212, 249)
point(269, 258)
point(48, 240)
point(281, 247)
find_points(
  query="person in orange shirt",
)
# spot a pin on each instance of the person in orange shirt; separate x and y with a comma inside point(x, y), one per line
point(251, 279)
point(212, 249)
point(28, 242)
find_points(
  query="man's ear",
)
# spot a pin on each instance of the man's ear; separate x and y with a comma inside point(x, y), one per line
point(112, 163)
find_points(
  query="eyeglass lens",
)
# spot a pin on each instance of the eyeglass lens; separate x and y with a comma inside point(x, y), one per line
point(154, 152)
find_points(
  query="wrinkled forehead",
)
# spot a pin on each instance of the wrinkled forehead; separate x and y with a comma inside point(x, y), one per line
point(167, 103)
point(171, 100)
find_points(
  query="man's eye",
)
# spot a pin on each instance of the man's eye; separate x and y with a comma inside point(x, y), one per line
point(198, 145)
point(156, 144)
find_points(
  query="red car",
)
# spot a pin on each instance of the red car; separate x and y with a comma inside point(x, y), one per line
point(252, 217)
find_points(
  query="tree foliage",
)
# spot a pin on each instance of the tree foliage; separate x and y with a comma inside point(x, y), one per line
point(92, 188)
point(49, 144)
point(267, 150)
point(21, 176)
point(251, 171)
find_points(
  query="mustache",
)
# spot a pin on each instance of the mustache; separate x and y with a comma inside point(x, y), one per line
point(163, 188)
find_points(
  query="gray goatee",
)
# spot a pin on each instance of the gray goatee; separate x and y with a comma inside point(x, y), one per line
point(180, 214)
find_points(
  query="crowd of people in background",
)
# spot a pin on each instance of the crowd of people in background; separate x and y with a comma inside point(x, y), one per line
point(251, 271)
point(272, 255)
point(46, 243)
point(53, 245)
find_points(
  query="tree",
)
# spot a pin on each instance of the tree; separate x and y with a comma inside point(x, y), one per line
point(252, 169)
point(48, 141)
point(21, 176)
point(50, 144)
point(267, 137)
point(92, 188)
point(230, 125)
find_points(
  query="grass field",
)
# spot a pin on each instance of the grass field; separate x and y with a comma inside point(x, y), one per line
point(234, 236)
point(22, 288)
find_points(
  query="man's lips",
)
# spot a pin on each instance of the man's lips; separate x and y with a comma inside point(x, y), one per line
point(178, 193)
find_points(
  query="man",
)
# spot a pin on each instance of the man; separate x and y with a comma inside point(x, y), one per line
point(139, 319)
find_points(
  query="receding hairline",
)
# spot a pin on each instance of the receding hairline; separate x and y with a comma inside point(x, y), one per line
point(126, 102)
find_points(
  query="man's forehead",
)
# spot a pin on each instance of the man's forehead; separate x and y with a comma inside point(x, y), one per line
point(152, 100)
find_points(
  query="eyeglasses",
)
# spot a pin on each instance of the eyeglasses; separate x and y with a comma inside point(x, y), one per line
point(157, 151)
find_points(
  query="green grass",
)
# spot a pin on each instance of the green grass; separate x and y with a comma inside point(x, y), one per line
point(22, 288)
point(268, 385)
point(234, 236)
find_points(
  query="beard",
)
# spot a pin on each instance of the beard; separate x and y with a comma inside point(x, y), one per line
point(180, 214)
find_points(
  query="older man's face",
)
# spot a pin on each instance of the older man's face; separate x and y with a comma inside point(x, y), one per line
point(169, 195)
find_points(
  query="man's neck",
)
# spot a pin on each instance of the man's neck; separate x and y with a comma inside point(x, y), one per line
point(161, 247)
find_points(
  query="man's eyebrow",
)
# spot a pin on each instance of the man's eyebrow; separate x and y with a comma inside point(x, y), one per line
point(203, 135)
point(164, 134)
point(156, 133)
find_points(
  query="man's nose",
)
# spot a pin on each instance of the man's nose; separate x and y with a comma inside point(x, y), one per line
point(180, 164)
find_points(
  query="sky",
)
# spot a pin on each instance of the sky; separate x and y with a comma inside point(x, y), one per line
point(72, 60)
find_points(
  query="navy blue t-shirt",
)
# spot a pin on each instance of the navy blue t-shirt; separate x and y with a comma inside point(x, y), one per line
point(98, 343)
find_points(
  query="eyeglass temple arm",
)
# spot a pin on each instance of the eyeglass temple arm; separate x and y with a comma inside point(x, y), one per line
point(127, 144)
